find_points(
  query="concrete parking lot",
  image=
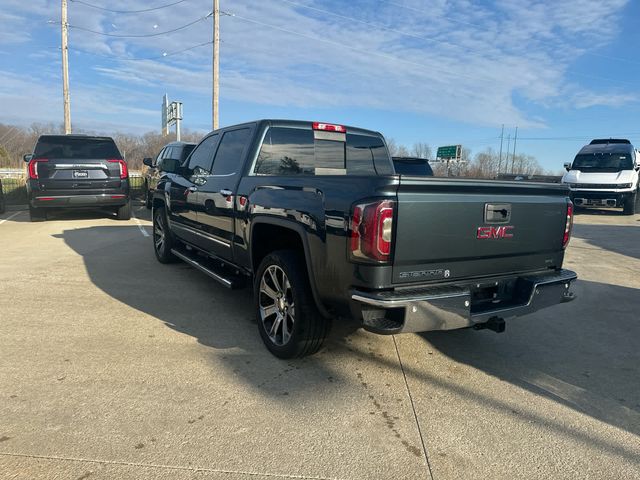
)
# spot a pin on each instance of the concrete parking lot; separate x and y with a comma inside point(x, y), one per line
point(113, 366)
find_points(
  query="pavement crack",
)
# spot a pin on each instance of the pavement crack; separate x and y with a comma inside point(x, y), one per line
point(170, 467)
point(413, 408)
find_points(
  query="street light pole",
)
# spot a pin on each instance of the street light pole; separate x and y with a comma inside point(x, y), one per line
point(65, 69)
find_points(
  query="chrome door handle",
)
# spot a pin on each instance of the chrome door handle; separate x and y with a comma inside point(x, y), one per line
point(226, 192)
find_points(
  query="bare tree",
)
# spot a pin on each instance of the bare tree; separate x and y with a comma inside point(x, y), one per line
point(421, 150)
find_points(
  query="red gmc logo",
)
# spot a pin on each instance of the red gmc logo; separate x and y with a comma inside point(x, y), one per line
point(503, 231)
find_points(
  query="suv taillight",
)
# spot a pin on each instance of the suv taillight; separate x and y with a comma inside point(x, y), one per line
point(568, 225)
point(372, 231)
point(124, 171)
point(33, 167)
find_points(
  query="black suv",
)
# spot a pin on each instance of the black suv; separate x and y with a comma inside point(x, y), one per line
point(68, 171)
point(412, 166)
point(175, 150)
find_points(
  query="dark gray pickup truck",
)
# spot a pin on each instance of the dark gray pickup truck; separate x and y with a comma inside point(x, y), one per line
point(313, 216)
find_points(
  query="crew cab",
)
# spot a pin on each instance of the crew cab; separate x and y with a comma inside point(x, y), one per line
point(314, 218)
point(175, 150)
point(77, 171)
point(605, 174)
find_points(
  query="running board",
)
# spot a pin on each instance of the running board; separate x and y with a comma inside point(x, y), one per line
point(228, 281)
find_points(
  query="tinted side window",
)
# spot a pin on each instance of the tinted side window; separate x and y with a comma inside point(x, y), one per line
point(286, 151)
point(229, 157)
point(362, 153)
point(186, 150)
point(202, 157)
point(168, 152)
point(159, 157)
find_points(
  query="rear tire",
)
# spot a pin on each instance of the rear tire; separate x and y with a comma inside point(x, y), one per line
point(37, 214)
point(163, 240)
point(630, 204)
point(288, 320)
point(124, 212)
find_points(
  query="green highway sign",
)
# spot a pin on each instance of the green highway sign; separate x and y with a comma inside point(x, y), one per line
point(450, 151)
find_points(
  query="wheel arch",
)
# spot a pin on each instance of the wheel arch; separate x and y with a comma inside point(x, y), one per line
point(284, 234)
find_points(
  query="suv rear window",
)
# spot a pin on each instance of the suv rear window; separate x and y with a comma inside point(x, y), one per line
point(76, 148)
point(294, 151)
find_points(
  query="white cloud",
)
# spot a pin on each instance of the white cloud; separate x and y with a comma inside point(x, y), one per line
point(457, 60)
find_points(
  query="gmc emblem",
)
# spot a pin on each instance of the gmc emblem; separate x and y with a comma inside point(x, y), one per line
point(503, 231)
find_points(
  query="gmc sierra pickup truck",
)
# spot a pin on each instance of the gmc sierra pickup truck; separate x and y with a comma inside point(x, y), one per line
point(314, 217)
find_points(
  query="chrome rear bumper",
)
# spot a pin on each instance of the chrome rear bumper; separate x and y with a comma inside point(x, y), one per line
point(456, 306)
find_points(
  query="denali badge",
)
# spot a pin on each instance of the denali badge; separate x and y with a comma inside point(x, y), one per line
point(427, 273)
point(503, 231)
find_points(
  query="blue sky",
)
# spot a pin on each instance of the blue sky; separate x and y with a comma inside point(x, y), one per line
point(434, 71)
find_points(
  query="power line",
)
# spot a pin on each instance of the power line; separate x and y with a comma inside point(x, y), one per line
point(128, 11)
point(141, 59)
point(76, 27)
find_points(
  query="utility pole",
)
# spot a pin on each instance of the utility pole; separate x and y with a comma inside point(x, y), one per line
point(501, 140)
point(216, 62)
point(65, 69)
point(506, 160)
point(513, 158)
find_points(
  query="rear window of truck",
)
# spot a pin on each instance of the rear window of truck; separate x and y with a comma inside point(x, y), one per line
point(295, 151)
point(76, 148)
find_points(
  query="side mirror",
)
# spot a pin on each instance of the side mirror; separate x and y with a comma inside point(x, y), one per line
point(148, 162)
point(27, 158)
point(567, 166)
point(169, 165)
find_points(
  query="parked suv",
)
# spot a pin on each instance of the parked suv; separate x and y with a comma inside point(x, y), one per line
point(605, 174)
point(174, 150)
point(70, 171)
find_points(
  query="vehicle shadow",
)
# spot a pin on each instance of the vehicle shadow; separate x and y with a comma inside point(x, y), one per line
point(584, 354)
point(622, 239)
point(121, 263)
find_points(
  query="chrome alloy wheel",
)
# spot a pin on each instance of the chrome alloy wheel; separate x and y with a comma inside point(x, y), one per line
point(277, 308)
point(158, 233)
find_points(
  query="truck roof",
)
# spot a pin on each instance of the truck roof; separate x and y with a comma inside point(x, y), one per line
point(278, 122)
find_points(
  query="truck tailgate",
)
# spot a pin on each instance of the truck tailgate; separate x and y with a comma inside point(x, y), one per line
point(457, 228)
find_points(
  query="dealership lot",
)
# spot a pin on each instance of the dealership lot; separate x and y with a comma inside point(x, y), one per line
point(114, 366)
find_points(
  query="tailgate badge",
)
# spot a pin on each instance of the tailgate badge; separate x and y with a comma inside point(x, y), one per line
point(497, 213)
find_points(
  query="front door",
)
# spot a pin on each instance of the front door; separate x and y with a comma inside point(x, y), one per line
point(185, 188)
point(216, 197)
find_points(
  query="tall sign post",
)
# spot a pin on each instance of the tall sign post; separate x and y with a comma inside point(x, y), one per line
point(448, 153)
point(171, 114)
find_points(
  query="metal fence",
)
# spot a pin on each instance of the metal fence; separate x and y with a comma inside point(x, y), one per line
point(15, 190)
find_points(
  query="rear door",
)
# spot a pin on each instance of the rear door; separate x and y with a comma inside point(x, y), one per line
point(454, 229)
point(71, 165)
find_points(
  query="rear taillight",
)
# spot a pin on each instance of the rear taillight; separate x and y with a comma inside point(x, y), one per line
point(124, 171)
point(568, 225)
point(372, 231)
point(33, 167)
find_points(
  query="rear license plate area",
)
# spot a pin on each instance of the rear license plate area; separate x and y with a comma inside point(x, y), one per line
point(81, 174)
